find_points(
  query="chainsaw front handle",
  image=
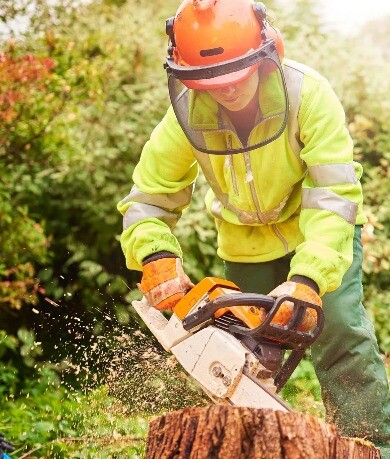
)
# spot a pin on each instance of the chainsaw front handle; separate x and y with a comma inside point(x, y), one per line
point(207, 312)
point(288, 335)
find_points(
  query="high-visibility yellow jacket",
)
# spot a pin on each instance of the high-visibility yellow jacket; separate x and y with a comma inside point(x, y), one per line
point(299, 193)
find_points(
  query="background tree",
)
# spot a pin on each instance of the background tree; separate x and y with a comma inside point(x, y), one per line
point(80, 91)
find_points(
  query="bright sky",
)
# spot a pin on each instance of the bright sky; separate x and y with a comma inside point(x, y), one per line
point(341, 14)
point(351, 13)
point(348, 14)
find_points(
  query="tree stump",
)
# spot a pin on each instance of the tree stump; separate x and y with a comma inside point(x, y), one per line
point(229, 432)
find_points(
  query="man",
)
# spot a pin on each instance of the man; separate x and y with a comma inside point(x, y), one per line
point(269, 135)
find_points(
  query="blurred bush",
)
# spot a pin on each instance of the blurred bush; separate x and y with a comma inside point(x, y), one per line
point(80, 91)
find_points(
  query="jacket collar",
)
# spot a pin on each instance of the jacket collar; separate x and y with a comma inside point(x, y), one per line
point(206, 114)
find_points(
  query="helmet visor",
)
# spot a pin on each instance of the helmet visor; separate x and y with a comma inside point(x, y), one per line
point(206, 122)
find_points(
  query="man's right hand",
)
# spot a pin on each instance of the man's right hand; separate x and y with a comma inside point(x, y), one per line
point(303, 292)
point(164, 283)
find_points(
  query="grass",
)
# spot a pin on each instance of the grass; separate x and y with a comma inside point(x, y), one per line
point(56, 423)
point(94, 425)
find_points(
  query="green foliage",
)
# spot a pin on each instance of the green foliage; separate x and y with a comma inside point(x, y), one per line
point(23, 244)
point(60, 425)
point(106, 429)
point(37, 417)
point(39, 413)
point(35, 400)
point(71, 132)
point(303, 392)
point(71, 146)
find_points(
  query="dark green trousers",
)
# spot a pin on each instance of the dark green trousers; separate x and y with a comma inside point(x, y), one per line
point(346, 357)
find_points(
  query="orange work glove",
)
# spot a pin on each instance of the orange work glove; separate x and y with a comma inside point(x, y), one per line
point(302, 292)
point(164, 283)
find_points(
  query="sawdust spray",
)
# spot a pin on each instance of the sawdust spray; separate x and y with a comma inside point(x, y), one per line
point(138, 372)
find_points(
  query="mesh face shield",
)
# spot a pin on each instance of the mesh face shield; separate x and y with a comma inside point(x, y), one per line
point(206, 123)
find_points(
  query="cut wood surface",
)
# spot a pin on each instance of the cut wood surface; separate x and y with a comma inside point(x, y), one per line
point(229, 432)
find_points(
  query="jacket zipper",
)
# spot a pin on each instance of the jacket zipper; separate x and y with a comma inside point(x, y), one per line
point(230, 165)
point(279, 235)
point(249, 179)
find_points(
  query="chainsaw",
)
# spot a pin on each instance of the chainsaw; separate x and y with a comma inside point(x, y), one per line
point(233, 343)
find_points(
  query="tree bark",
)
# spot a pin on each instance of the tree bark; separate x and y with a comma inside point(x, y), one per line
point(229, 432)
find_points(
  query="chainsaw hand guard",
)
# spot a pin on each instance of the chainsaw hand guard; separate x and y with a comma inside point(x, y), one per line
point(287, 335)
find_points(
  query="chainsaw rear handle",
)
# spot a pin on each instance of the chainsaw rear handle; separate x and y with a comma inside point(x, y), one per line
point(288, 334)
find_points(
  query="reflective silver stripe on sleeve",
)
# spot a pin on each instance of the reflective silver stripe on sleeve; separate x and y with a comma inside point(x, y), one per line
point(319, 198)
point(332, 174)
point(216, 209)
point(168, 201)
point(139, 211)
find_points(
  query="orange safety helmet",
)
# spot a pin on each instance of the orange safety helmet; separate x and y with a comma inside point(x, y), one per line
point(208, 32)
